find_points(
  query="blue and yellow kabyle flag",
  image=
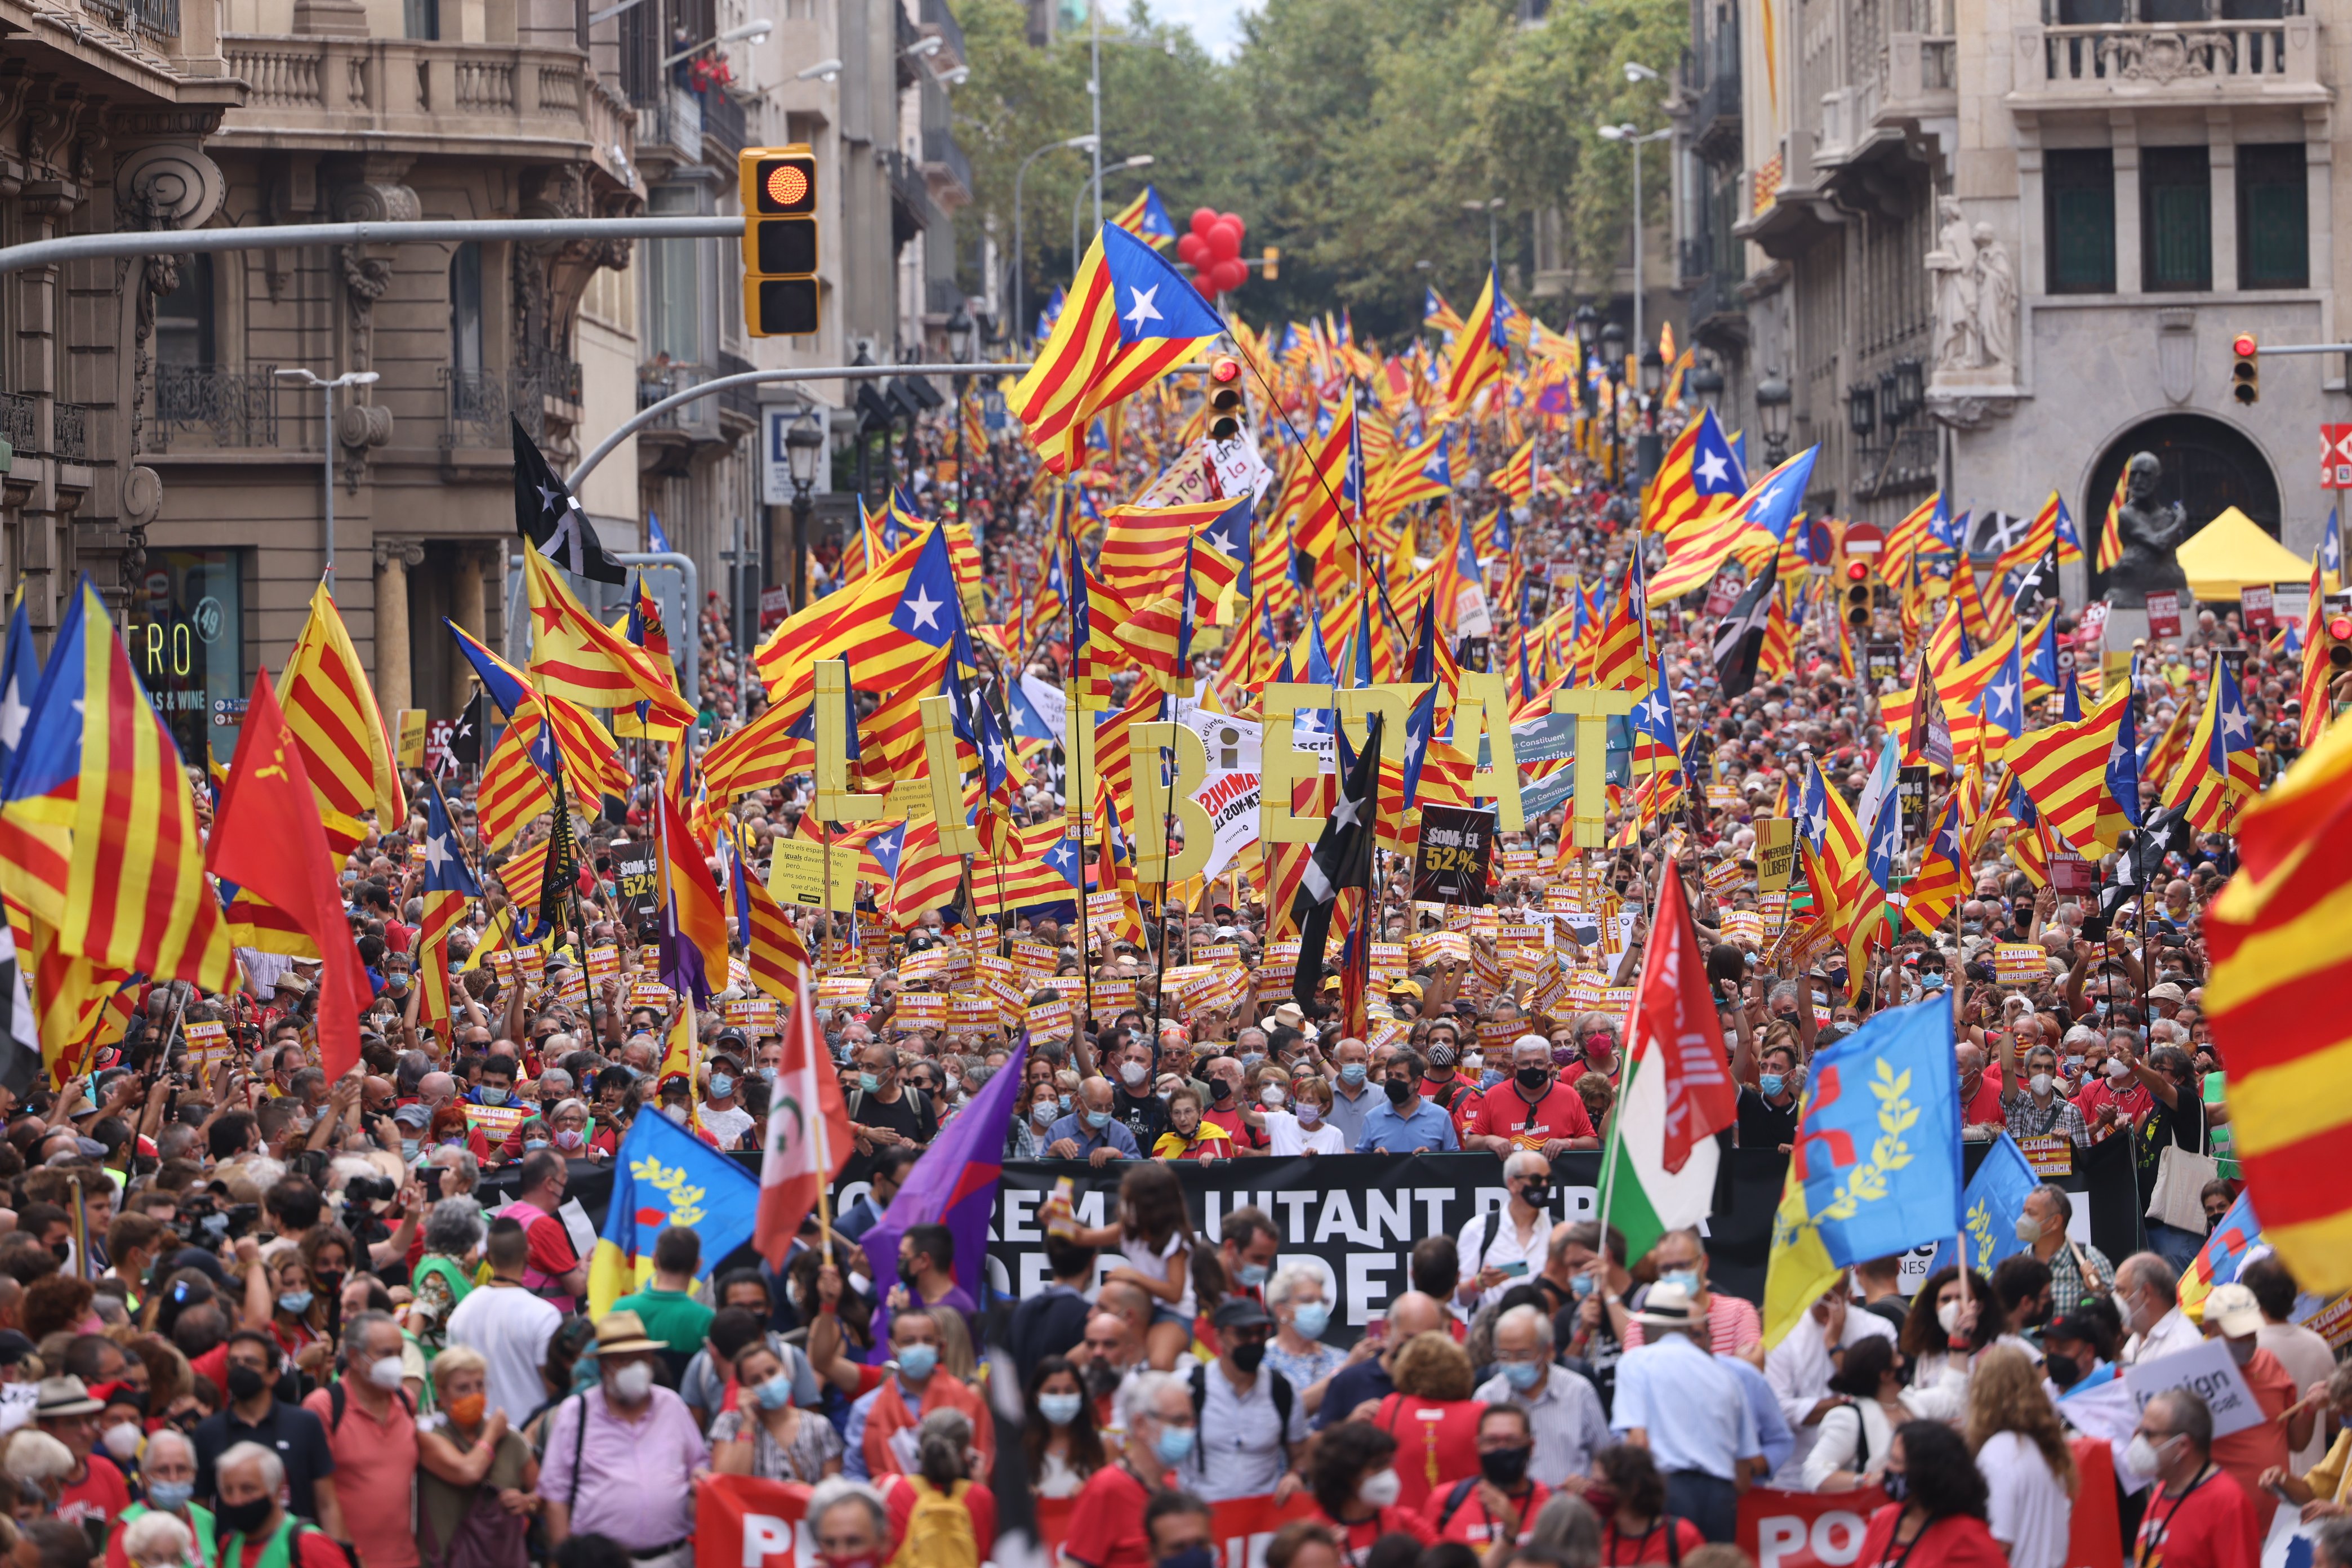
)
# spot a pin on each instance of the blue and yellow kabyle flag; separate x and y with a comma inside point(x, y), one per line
point(666, 1176)
point(1989, 1209)
point(1876, 1165)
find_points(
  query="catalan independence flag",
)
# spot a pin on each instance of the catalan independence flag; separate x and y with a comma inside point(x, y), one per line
point(94, 760)
point(448, 886)
point(1481, 348)
point(574, 655)
point(664, 1176)
point(339, 728)
point(2111, 530)
point(2063, 770)
point(1130, 318)
point(693, 920)
point(1146, 218)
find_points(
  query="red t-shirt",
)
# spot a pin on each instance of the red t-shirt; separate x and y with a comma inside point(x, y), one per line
point(1627, 1551)
point(100, 1494)
point(1355, 1540)
point(1955, 1540)
point(2212, 1525)
point(1244, 1135)
point(1106, 1523)
point(1505, 1113)
point(1471, 1524)
point(2131, 1103)
point(898, 1493)
point(2247, 1453)
point(312, 1549)
point(1437, 1443)
point(1463, 1107)
point(213, 1363)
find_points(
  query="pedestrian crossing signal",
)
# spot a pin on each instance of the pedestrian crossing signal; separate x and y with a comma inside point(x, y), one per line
point(780, 290)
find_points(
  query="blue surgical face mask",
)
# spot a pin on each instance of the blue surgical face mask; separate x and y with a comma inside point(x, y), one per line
point(1066, 1105)
point(1771, 1083)
point(1931, 983)
point(1251, 1059)
point(869, 1084)
point(918, 1361)
point(721, 1086)
point(1580, 1286)
point(1175, 1444)
point(1254, 1274)
point(294, 1303)
point(1312, 1318)
point(1522, 1374)
point(493, 1096)
point(1097, 1119)
point(1352, 1074)
point(170, 1497)
point(408, 1147)
point(776, 1392)
point(1060, 1409)
point(530, 1144)
point(2098, 1009)
point(1685, 1277)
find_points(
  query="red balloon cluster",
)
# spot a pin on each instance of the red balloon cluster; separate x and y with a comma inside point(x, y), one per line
point(1214, 251)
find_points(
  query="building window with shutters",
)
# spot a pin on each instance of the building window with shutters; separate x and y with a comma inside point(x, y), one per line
point(2274, 217)
point(2176, 219)
point(2078, 193)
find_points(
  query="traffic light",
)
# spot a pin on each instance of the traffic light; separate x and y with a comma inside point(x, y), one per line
point(1857, 595)
point(1273, 263)
point(780, 247)
point(1224, 398)
point(2246, 369)
point(2335, 626)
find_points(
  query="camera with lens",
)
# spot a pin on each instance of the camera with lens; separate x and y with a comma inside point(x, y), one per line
point(370, 1190)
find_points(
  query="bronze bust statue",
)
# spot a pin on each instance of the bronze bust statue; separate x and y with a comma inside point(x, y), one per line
point(2151, 531)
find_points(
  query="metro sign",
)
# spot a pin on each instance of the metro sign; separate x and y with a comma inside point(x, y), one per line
point(2335, 456)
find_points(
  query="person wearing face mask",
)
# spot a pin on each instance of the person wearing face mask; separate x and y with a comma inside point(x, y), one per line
point(1352, 1476)
point(2235, 1317)
point(1107, 1526)
point(1246, 1251)
point(1091, 1133)
point(557, 1273)
point(1443, 1085)
point(2148, 1295)
point(1687, 1408)
point(1937, 1519)
point(1533, 1111)
point(1353, 1094)
point(2034, 1106)
point(621, 1458)
point(2078, 1269)
point(372, 1436)
point(1407, 1124)
point(890, 1168)
point(1133, 1102)
point(1499, 1247)
point(2198, 1516)
point(723, 1115)
point(767, 1434)
point(1560, 1411)
point(169, 1472)
point(1306, 1128)
point(94, 1490)
point(254, 1522)
point(1253, 1425)
point(1229, 1106)
point(2071, 1356)
point(466, 1451)
point(1060, 1439)
point(1637, 1527)
point(880, 1434)
point(254, 1413)
point(1768, 1098)
point(1302, 1310)
point(1497, 1506)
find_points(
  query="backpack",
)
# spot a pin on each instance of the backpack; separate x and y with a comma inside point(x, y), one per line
point(915, 1098)
point(336, 1400)
point(939, 1532)
point(1279, 1387)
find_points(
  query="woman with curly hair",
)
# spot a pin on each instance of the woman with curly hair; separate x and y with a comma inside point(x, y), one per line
point(1352, 1470)
point(1431, 1416)
point(2022, 1451)
point(1951, 1321)
point(1937, 1517)
point(1630, 1495)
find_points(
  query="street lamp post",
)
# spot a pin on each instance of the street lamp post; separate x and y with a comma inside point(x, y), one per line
point(1612, 362)
point(1020, 257)
point(1634, 139)
point(804, 444)
point(962, 332)
point(1094, 183)
point(327, 442)
point(1772, 400)
point(1491, 207)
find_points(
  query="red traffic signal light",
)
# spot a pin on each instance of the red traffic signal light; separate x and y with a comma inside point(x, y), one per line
point(2244, 346)
point(1857, 571)
point(2340, 627)
point(781, 291)
point(2246, 369)
point(1224, 398)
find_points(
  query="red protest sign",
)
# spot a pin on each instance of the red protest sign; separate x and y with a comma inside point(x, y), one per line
point(1805, 1529)
point(1239, 1528)
point(2335, 456)
point(2164, 614)
point(753, 1522)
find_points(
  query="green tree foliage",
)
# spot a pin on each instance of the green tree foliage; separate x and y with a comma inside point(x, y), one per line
point(1348, 132)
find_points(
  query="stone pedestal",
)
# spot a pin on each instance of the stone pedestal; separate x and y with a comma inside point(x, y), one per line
point(2124, 628)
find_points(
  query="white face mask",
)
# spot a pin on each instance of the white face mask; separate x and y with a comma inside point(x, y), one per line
point(2143, 1456)
point(2115, 1068)
point(121, 1439)
point(634, 1382)
point(1380, 1490)
point(1948, 1314)
point(384, 1372)
point(2040, 1083)
point(1271, 1096)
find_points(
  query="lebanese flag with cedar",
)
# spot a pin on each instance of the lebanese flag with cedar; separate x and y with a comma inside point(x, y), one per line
point(1677, 1009)
point(808, 1133)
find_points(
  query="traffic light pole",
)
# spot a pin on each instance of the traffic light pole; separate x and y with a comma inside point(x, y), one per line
point(184, 242)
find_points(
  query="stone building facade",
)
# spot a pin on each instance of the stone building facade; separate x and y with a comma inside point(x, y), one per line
point(1999, 245)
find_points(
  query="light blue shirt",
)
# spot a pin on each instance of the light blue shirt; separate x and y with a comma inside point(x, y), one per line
point(1386, 1132)
point(1696, 1414)
point(1113, 1135)
point(1772, 1434)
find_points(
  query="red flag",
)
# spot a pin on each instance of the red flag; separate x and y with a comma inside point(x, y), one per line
point(266, 838)
point(808, 1132)
point(1676, 1011)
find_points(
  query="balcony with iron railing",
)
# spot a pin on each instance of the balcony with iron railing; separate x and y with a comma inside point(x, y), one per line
point(154, 20)
point(939, 20)
point(696, 421)
point(944, 161)
point(1715, 117)
point(207, 405)
point(480, 401)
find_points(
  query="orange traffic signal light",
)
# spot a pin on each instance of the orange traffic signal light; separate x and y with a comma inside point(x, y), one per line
point(778, 186)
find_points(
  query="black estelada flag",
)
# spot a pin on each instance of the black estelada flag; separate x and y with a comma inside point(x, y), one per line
point(466, 740)
point(553, 518)
point(1343, 858)
point(20, 1041)
point(2036, 582)
point(1739, 637)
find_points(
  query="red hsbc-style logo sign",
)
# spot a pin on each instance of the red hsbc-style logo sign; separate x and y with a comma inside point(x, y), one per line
point(1805, 1529)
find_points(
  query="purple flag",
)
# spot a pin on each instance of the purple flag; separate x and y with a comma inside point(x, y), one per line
point(954, 1184)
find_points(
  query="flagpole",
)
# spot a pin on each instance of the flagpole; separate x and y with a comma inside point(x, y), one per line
point(454, 834)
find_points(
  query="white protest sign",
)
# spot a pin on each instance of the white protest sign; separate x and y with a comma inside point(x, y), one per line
point(2206, 1371)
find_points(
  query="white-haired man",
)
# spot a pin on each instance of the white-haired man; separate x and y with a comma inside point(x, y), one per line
point(1499, 1247)
point(1533, 1111)
point(1107, 1524)
point(1563, 1409)
point(251, 1520)
point(850, 1522)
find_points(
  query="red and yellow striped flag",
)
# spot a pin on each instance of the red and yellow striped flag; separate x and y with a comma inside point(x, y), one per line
point(2063, 772)
point(338, 729)
point(574, 655)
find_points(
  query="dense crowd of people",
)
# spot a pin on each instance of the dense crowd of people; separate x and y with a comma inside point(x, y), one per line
point(250, 1316)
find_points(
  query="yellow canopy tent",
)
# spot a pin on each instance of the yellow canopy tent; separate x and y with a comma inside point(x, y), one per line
point(2232, 551)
